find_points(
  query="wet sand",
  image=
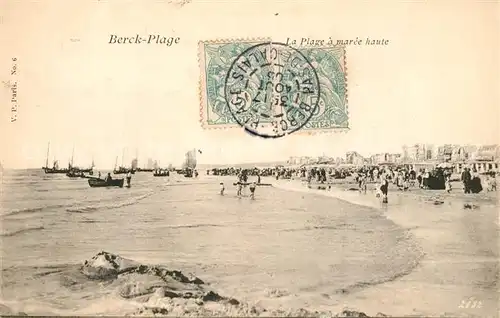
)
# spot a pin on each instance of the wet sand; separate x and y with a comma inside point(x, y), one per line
point(458, 275)
point(279, 255)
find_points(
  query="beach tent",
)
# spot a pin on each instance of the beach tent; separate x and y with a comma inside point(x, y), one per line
point(445, 165)
point(346, 165)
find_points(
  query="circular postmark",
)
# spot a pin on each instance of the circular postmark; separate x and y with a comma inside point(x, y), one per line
point(272, 90)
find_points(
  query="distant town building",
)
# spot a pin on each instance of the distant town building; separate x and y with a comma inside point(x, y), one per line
point(302, 160)
point(458, 154)
point(325, 160)
point(415, 153)
point(429, 150)
point(486, 153)
point(470, 151)
point(385, 158)
point(443, 153)
point(354, 158)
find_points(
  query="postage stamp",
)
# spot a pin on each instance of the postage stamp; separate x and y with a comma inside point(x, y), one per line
point(271, 89)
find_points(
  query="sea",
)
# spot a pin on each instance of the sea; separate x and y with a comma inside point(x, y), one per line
point(290, 247)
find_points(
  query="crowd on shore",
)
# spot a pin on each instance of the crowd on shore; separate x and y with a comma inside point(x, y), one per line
point(403, 177)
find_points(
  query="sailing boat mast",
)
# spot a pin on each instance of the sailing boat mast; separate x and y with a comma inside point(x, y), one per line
point(72, 156)
point(123, 155)
point(116, 162)
point(47, 157)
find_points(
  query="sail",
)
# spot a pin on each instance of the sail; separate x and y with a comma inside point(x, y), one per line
point(47, 157)
point(134, 164)
point(190, 161)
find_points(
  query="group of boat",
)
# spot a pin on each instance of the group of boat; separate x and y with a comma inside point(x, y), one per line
point(188, 170)
point(72, 171)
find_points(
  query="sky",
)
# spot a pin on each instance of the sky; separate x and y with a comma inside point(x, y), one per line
point(435, 82)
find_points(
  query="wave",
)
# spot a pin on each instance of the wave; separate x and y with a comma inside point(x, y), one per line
point(323, 227)
point(190, 226)
point(186, 200)
point(130, 288)
point(21, 231)
point(354, 198)
point(90, 208)
point(89, 221)
point(396, 275)
point(345, 196)
point(180, 183)
point(33, 210)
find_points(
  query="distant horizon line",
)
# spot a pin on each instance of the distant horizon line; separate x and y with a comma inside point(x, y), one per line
point(201, 164)
point(363, 154)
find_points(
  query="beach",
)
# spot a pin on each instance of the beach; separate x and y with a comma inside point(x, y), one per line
point(292, 250)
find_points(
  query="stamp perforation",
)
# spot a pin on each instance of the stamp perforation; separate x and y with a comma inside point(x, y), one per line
point(320, 131)
point(201, 88)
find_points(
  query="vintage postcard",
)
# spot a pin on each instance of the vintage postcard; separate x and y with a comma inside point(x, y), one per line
point(249, 158)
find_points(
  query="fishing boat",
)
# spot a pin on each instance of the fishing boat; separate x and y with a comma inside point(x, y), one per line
point(86, 170)
point(161, 173)
point(55, 165)
point(144, 170)
point(75, 174)
point(79, 174)
point(122, 169)
point(77, 171)
point(97, 183)
point(55, 168)
point(189, 165)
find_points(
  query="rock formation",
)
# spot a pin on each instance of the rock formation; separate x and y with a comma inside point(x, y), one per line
point(165, 292)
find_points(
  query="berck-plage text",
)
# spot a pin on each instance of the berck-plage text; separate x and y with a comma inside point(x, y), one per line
point(149, 39)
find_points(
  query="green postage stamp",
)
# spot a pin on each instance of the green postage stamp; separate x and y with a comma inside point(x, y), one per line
point(272, 89)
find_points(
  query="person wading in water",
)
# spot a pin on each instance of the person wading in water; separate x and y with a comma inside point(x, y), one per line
point(108, 178)
point(384, 188)
point(252, 190)
point(129, 177)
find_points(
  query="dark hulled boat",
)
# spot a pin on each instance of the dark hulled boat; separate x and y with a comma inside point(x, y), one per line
point(75, 174)
point(161, 173)
point(78, 174)
point(88, 170)
point(55, 170)
point(144, 170)
point(55, 165)
point(123, 170)
point(97, 183)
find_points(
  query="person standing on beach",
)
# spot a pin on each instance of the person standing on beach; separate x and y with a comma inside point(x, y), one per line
point(252, 190)
point(129, 178)
point(384, 188)
point(362, 182)
point(222, 188)
point(447, 184)
point(425, 179)
point(466, 178)
point(375, 174)
point(240, 187)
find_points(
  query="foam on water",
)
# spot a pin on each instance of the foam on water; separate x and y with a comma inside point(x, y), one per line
point(280, 250)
